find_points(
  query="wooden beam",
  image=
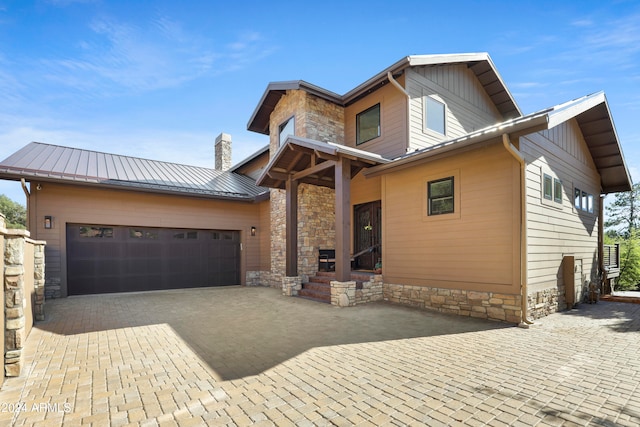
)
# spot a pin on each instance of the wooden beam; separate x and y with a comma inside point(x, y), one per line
point(314, 169)
point(278, 175)
point(291, 227)
point(343, 219)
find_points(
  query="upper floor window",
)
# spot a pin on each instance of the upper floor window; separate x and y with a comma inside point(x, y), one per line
point(368, 124)
point(285, 129)
point(434, 115)
point(583, 201)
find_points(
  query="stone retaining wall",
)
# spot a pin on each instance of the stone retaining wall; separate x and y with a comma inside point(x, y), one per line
point(486, 305)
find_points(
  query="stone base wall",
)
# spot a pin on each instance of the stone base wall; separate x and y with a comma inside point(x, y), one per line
point(258, 278)
point(545, 302)
point(291, 286)
point(343, 294)
point(485, 305)
point(371, 291)
point(52, 287)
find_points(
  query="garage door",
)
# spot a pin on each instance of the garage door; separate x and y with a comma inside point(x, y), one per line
point(103, 259)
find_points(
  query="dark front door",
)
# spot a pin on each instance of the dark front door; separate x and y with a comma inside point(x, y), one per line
point(367, 224)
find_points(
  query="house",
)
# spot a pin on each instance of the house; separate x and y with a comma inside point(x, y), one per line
point(429, 169)
point(115, 223)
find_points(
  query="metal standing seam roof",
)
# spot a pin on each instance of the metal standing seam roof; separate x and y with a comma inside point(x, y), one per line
point(46, 162)
point(592, 115)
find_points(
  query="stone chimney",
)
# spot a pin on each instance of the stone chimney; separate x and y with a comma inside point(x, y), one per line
point(223, 152)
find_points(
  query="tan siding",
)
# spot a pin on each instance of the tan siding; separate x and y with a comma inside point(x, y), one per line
point(393, 128)
point(556, 229)
point(75, 204)
point(477, 250)
point(468, 106)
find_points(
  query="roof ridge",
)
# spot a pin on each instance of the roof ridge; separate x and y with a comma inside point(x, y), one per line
point(126, 156)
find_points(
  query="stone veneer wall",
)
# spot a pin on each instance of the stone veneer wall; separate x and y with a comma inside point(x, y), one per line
point(545, 302)
point(17, 293)
point(349, 294)
point(323, 121)
point(486, 305)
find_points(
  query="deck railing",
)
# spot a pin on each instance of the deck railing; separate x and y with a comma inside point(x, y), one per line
point(611, 260)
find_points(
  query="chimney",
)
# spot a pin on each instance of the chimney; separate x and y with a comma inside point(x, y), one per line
point(223, 152)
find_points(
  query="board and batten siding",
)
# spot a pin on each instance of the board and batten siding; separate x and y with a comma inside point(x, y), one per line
point(89, 205)
point(555, 229)
point(468, 107)
point(392, 141)
point(475, 249)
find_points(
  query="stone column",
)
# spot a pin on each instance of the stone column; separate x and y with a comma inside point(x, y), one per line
point(14, 303)
point(343, 294)
point(291, 286)
point(38, 276)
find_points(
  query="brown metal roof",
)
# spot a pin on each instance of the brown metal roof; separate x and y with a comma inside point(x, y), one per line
point(314, 160)
point(480, 63)
point(592, 115)
point(45, 162)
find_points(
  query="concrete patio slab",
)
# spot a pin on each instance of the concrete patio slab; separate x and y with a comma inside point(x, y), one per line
point(248, 356)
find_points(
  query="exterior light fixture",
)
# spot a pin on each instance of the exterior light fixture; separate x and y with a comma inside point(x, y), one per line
point(253, 230)
point(48, 222)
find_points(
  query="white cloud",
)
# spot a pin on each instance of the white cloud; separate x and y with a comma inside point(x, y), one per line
point(118, 57)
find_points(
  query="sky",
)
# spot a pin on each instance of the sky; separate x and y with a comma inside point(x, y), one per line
point(161, 79)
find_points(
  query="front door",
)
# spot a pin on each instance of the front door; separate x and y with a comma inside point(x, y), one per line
point(367, 224)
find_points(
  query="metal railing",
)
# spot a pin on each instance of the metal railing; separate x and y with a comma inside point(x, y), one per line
point(611, 256)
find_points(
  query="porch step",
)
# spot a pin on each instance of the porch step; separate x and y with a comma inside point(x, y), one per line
point(316, 291)
point(318, 288)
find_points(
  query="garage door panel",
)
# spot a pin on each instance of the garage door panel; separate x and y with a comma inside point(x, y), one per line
point(104, 259)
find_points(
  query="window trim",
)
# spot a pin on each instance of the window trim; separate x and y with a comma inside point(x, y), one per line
point(425, 127)
point(377, 106)
point(457, 206)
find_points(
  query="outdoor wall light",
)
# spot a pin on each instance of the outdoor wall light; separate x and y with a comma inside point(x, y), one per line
point(48, 222)
point(253, 230)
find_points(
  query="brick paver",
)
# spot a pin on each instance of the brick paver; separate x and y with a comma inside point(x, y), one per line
point(248, 356)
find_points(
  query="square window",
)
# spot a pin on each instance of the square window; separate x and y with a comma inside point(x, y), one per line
point(434, 115)
point(557, 190)
point(584, 202)
point(590, 203)
point(547, 187)
point(368, 125)
point(576, 198)
point(440, 196)
point(287, 128)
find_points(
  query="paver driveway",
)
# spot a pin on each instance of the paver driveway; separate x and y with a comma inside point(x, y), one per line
point(248, 356)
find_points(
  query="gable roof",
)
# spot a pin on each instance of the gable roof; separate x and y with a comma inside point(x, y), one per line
point(592, 115)
point(46, 162)
point(480, 63)
point(313, 162)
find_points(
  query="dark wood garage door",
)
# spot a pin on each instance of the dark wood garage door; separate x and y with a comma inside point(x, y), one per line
point(102, 259)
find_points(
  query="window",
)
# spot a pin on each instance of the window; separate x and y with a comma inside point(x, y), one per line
point(434, 112)
point(557, 190)
point(440, 196)
point(551, 190)
point(96, 232)
point(287, 128)
point(547, 187)
point(368, 125)
point(582, 200)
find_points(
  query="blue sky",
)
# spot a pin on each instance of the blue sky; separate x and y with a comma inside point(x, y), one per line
point(161, 79)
